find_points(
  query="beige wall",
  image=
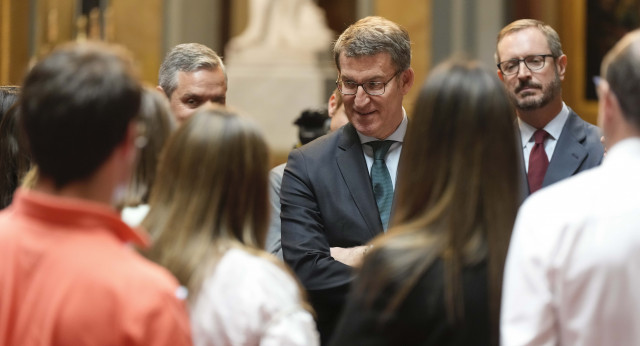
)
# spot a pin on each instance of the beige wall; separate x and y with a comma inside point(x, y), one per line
point(14, 40)
point(417, 21)
point(138, 26)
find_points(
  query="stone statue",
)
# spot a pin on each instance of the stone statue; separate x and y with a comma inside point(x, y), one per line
point(282, 29)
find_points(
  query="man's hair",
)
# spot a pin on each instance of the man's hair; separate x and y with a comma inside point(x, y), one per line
point(76, 106)
point(621, 69)
point(373, 35)
point(553, 39)
point(187, 57)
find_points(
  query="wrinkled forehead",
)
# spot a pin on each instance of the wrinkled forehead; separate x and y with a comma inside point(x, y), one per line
point(366, 66)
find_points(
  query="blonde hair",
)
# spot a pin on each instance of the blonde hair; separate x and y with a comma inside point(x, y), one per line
point(210, 194)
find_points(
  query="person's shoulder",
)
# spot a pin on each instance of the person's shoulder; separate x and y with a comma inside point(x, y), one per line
point(252, 279)
point(592, 131)
point(329, 142)
point(566, 200)
point(259, 266)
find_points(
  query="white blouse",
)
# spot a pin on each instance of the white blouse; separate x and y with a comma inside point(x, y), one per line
point(248, 300)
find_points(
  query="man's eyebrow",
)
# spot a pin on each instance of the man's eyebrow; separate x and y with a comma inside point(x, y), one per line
point(370, 79)
point(190, 95)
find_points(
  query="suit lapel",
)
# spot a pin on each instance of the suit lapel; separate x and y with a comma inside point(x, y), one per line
point(524, 182)
point(569, 152)
point(354, 171)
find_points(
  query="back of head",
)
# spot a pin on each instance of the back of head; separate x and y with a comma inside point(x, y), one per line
point(553, 39)
point(621, 69)
point(463, 127)
point(211, 193)
point(372, 35)
point(186, 57)
point(77, 105)
point(157, 125)
point(457, 180)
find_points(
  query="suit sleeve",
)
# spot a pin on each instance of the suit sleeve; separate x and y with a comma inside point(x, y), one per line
point(272, 243)
point(304, 242)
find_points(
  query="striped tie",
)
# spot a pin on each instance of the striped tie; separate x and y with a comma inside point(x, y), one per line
point(381, 180)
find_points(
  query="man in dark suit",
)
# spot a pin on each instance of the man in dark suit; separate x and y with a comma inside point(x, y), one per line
point(329, 207)
point(556, 142)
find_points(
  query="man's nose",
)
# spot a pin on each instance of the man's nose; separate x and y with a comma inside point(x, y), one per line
point(523, 70)
point(361, 97)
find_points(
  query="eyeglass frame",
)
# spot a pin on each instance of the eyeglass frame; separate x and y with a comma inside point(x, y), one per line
point(524, 60)
point(384, 85)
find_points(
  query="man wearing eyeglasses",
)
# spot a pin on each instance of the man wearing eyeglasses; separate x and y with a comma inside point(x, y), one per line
point(571, 275)
point(556, 142)
point(337, 191)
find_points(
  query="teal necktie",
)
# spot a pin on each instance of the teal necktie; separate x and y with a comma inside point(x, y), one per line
point(381, 180)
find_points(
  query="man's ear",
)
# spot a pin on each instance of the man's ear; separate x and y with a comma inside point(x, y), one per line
point(408, 77)
point(611, 117)
point(128, 144)
point(159, 88)
point(500, 75)
point(561, 66)
point(332, 105)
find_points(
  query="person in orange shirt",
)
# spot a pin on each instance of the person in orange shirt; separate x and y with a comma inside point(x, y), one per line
point(68, 272)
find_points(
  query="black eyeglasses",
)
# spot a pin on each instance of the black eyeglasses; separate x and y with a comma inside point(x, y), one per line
point(371, 88)
point(533, 63)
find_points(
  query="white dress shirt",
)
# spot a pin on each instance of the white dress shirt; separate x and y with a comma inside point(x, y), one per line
point(249, 300)
point(553, 128)
point(572, 275)
point(393, 155)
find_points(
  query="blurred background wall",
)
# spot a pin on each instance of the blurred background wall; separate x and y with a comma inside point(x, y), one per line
point(438, 29)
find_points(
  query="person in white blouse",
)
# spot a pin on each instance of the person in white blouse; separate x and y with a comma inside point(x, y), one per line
point(208, 217)
point(571, 276)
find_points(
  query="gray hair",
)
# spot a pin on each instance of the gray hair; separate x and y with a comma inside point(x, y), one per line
point(553, 39)
point(373, 35)
point(187, 57)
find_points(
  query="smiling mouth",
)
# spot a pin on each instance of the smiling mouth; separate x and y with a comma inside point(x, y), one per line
point(364, 114)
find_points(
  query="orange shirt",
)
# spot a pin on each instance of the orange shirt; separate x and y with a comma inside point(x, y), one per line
point(68, 277)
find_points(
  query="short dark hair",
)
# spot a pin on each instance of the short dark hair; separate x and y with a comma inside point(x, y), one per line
point(621, 69)
point(77, 104)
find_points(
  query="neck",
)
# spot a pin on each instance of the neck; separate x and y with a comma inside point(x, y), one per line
point(540, 117)
point(621, 133)
point(99, 187)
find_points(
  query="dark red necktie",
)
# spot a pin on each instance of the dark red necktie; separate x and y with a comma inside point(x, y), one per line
point(538, 161)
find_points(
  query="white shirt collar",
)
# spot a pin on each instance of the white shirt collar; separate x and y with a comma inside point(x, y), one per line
point(553, 128)
point(397, 135)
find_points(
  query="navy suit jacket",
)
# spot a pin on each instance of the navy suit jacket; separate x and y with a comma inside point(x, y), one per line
point(578, 149)
point(327, 201)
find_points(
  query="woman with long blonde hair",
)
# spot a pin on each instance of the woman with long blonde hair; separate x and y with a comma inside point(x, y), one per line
point(208, 219)
point(435, 278)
